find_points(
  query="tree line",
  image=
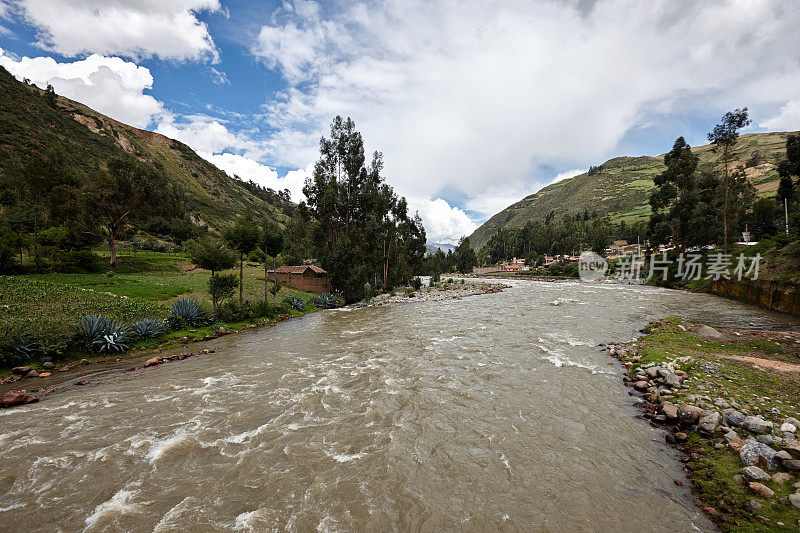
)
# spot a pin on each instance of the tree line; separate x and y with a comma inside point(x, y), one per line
point(695, 206)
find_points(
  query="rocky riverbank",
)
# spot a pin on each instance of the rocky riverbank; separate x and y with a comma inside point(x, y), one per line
point(455, 289)
point(729, 400)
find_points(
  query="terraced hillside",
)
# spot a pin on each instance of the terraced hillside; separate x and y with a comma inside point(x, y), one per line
point(31, 123)
point(621, 186)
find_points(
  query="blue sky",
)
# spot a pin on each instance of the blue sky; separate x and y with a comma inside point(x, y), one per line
point(475, 104)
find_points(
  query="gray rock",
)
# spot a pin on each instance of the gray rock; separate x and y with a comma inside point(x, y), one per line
point(788, 428)
point(752, 506)
point(794, 499)
point(766, 439)
point(730, 435)
point(641, 385)
point(756, 424)
point(673, 380)
point(792, 446)
point(48, 365)
point(755, 453)
point(736, 418)
point(721, 403)
point(783, 455)
point(709, 421)
point(707, 332)
point(754, 473)
point(792, 464)
point(793, 421)
point(689, 413)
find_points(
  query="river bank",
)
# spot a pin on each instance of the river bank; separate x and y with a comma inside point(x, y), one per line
point(727, 399)
point(30, 384)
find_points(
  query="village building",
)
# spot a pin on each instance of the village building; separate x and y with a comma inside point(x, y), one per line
point(303, 277)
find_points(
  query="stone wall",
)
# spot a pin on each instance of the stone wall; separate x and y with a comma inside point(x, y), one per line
point(767, 294)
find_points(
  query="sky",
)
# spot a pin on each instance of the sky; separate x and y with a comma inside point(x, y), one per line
point(474, 104)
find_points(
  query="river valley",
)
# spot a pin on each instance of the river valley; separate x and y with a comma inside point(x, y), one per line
point(495, 412)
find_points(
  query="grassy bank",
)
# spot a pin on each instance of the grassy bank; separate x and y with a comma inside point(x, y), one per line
point(722, 394)
point(43, 310)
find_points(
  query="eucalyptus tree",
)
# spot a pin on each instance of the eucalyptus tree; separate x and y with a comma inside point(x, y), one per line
point(272, 242)
point(724, 137)
point(243, 237)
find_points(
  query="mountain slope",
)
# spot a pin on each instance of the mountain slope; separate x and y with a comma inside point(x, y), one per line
point(31, 123)
point(621, 186)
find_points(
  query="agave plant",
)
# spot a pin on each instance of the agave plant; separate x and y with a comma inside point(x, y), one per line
point(326, 301)
point(148, 328)
point(93, 326)
point(189, 310)
point(115, 338)
point(25, 346)
point(295, 303)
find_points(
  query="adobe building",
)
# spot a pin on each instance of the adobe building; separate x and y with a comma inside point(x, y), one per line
point(304, 277)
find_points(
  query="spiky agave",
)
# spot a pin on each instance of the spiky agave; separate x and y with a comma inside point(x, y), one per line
point(148, 327)
point(114, 339)
point(189, 310)
point(295, 303)
point(93, 326)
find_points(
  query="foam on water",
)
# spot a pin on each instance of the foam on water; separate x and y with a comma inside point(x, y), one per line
point(121, 504)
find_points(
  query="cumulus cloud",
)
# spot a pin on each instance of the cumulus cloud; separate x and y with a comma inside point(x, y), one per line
point(203, 133)
point(130, 28)
point(788, 119)
point(249, 169)
point(471, 95)
point(444, 224)
point(110, 85)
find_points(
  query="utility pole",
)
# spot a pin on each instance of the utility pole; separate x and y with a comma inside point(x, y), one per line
point(786, 214)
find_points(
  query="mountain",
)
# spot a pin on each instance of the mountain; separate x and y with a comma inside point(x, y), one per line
point(621, 186)
point(431, 247)
point(32, 121)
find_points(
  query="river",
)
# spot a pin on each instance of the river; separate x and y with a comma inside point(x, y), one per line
point(495, 412)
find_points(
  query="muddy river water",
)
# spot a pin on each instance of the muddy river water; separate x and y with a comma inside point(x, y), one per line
point(495, 412)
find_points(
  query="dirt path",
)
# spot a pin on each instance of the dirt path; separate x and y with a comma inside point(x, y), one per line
point(762, 364)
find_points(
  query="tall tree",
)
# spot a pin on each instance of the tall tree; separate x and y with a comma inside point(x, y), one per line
point(243, 237)
point(125, 192)
point(212, 254)
point(272, 242)
point(675, 197)
point(724, 137)
point(362, 231)
point(789, 170)
point(465, 256)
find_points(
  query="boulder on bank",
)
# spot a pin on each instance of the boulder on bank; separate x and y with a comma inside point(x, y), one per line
point(757, 425)
point(15, 397)
point(736, 418)
point(755, 453)
point(20, 370)
point(689, 414)
point(707, 332)
point(709, 421)
point(754, 473)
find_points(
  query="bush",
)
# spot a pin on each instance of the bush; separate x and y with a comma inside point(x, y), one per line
point(416, 283)
point(222, 286)
point(78, 261)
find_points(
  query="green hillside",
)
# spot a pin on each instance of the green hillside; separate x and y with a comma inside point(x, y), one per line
point(30, 124)
point(621, 187)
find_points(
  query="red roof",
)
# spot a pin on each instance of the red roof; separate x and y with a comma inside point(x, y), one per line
point(297, 269)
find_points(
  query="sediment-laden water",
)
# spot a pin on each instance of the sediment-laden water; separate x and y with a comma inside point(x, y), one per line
point(493, 412)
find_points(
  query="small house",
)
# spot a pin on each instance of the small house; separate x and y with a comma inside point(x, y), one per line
point(304, 277)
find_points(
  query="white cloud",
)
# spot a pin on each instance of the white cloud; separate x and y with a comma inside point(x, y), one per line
point(249, 169)
point(110, 85)
point(788, 119)
point(203, 133)
point(443, 223)
point(474, 95)
point(130, 28)
point(569, 174)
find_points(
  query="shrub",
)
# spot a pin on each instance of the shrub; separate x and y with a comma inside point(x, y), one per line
point(148, 327)
point(77, 261)
point(416, 283)
point(367, 291)
point(188, 310)
point(222, 286)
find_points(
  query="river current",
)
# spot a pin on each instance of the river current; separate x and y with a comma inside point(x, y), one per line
point(495, 412)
